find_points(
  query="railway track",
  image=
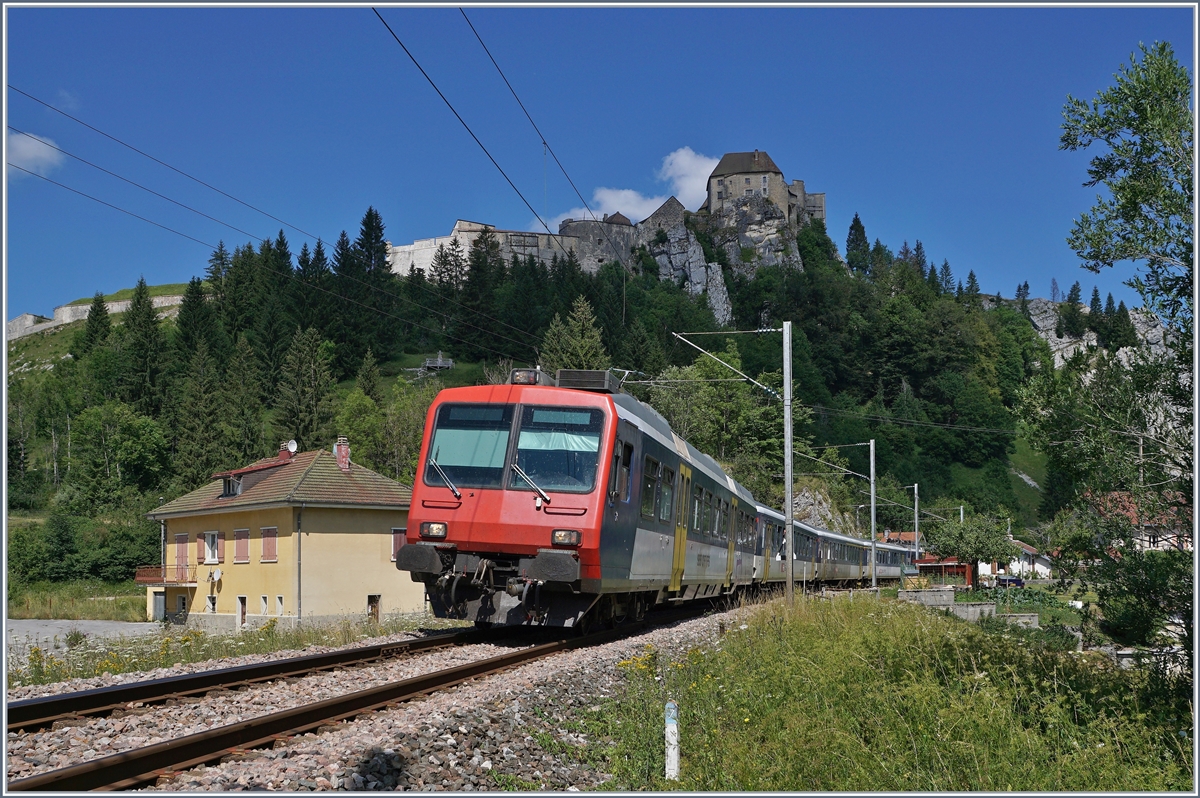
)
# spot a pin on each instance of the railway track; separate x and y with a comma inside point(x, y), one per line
point(145, 765)
point(35, 713)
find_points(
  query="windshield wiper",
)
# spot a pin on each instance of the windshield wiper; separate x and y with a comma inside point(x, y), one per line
point(532, 484)
point(445, 478)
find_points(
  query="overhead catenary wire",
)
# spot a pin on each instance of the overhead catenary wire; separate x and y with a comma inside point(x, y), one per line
point(542, 137)
point(290, 273)
point(314, 237)
point(467, 127)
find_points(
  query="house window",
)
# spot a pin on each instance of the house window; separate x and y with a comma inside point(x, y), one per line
point(747, 181)
point(263, 606)
point(241, 545)
point(212, 604)
point(764, 177)
point(210, 548)
point(398, 534)
point(720, 195)
point(720, 181)
point(279, 605)
point(269, 546)
point(232, 487)
point(749, 192)
point(181, 604)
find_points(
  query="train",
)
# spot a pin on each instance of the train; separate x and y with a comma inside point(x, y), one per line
point(565, 501)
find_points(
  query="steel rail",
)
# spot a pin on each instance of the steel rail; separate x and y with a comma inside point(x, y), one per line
point(142, 765)
point(35, 713)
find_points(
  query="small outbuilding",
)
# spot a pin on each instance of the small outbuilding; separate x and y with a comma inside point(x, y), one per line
point(306, 535)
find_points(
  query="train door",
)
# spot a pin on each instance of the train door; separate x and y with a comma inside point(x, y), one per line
point(679, 556)
point(733, 528)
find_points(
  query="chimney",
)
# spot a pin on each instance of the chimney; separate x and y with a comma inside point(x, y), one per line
point(341, 450)
point(284, 452)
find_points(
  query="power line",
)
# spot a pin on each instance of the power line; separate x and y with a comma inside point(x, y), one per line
point(132, 183)
point(163, 163)
point(468, 129)
point(230, 196)
point(109, 204)
point(290, 273)
point(545, 143)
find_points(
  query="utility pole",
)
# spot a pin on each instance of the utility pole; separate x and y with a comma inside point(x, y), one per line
point(787, 456)
point(916, 522)
point(874, 557)
point(960, 514)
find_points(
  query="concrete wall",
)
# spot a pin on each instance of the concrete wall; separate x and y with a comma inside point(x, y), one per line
point(542, 246)
point(1027, 619)
point(972, 610)
point(28, 323)
point(932, 597)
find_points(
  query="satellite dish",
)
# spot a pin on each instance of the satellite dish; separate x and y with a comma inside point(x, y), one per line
point(292, 446)
point(215, 575)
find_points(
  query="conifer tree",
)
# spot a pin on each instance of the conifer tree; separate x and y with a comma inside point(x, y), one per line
point(367, 380)
point(935, 282)
point(642, 351)
point(199, 450)
point(95, 330)
point(272, 337)
point(379, 328)
point(1074, 324)
point(305, 395)
point(947, 277)
point(1023, 297)
point(1122, 332)
point(1055, 293)
point(240, 294)
point(348, 323)
point(144, 348)
point(574, 344)
point(218, 266)
point(241, 415)
point(971, 293)
point(197, 321)
point(858, 249)
point(881, 257)
point(918, 257)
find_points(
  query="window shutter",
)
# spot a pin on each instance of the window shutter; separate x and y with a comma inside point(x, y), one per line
point(269, 550)
point(200, 548)
point(397, 541)
point(220, 547)
point(241, 545)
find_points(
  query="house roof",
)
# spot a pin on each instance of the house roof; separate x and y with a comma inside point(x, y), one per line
point(1175, 515)
point(1025, 547)
point(309, 477)
point(733, 163)
point(617, 218)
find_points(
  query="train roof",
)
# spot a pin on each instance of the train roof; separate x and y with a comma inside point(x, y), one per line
point(651, 422)
point(825, 533)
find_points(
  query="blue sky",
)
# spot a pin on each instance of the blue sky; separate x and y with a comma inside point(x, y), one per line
point(934, 124)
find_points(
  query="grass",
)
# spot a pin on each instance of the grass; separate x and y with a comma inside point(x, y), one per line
point(86, 657)
point(879, 695)
point(1033, 465)
point(167, 289)
point(79, 601)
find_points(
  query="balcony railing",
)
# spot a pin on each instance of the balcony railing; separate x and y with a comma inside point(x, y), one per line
point(171, 575)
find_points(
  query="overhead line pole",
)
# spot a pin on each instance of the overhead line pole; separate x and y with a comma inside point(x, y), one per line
point(787, 456)
point(874, 557)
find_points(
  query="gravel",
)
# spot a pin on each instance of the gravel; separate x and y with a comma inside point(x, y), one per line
point(509, 730)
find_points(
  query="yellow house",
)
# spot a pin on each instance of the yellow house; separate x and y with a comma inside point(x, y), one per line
point(308, 536)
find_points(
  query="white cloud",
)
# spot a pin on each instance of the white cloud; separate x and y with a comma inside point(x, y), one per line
point(684, 169)
point(68, 100)
point(31, 153)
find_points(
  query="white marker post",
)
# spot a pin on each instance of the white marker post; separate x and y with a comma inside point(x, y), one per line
point(672, 731)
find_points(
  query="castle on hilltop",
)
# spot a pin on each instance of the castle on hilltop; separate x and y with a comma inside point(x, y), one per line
point(738, 175)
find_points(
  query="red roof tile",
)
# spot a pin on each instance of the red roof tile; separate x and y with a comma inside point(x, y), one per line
point(308, 477)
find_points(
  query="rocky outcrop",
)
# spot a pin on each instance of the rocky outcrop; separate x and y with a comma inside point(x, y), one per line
point(1043, 315)
point(754, 232)
point(813, 507)
point(680, 258)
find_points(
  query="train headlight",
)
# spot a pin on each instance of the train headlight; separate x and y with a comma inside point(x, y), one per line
point(433, 529)
point(566, 537)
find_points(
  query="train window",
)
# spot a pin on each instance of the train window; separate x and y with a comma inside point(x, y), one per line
point(559, 448)
point(707, 521)
point(649, 486)
point(725, 521)
point(626, 467)
point(697, 509)
point(667, 502)
point(613, 489)
point(470, 443)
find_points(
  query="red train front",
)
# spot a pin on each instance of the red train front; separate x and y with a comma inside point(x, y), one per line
point(508, 502)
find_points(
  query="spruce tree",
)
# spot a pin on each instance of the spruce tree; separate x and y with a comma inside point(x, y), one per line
point(241, 294)
point(368, 381)
point(971, 293)
point(918, 257)
point(95, 330)
point(306, 390)
point(218, 266)
point(379, 323)
point(348, 325)
point(1123, 332)
point(144, 345)
point(1074, 324)
point(574, 344)
point(199, 450)
point(947, 277)
point(241, 425)
point(197, 321)
point(858, 249)
point(1055, 293)
point(934, 281)
point(881, 257)
point(1095, 319)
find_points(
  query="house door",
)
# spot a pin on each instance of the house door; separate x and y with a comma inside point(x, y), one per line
point(181, 550)
point(160, 605)
point(241, 611)
point(373, 608)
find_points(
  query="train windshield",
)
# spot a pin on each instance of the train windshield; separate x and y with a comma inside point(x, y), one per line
point(470, 443)
point(559, 448)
